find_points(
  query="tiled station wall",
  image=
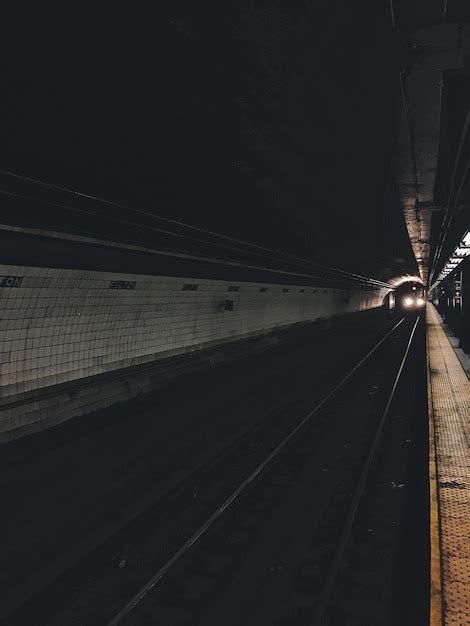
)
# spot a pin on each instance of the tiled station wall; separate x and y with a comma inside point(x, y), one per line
point(63, 326)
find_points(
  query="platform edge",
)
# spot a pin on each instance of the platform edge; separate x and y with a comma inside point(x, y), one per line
point(436, 617)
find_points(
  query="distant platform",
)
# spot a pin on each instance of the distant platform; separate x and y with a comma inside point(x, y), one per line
point(449, 464)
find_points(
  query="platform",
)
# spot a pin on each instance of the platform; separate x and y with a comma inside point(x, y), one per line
point(449, 411)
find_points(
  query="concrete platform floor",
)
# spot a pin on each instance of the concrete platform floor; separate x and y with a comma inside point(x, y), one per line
point(449, 402)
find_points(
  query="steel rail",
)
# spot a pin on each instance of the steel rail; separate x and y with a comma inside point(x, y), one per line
point(345, 534)
point(151, 584)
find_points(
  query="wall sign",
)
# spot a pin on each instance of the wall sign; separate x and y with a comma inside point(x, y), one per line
point(122, 284)
point(11, 281)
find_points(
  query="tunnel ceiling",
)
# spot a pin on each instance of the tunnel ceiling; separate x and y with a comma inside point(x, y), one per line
point(274, 124)
point(433, 49)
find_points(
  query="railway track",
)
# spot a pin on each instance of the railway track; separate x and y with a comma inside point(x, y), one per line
point(176, 561)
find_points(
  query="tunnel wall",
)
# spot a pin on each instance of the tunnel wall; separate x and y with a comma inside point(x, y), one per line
point(61, 328)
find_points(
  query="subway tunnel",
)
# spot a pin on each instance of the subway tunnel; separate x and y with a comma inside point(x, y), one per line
point(235, 315)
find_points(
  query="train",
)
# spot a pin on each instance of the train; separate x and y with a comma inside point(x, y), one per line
point(410, 297)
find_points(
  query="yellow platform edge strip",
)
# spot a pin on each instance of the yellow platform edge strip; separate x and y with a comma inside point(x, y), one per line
point(435, 595)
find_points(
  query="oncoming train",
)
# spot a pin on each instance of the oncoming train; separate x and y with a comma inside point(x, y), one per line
point(410, 297)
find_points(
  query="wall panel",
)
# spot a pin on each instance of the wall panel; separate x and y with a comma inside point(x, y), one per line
point(63, 326)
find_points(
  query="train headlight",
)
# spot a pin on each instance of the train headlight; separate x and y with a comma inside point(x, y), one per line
point(420, 301)
point(407, 302)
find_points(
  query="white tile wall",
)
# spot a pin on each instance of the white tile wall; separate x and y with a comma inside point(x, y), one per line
point(63, 325)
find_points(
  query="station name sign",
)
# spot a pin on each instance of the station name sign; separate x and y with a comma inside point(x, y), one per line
point(11, 281)
point(122, 284)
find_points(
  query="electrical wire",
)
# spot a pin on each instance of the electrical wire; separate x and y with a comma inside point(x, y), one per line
point(128, 208)
point(273, 256)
